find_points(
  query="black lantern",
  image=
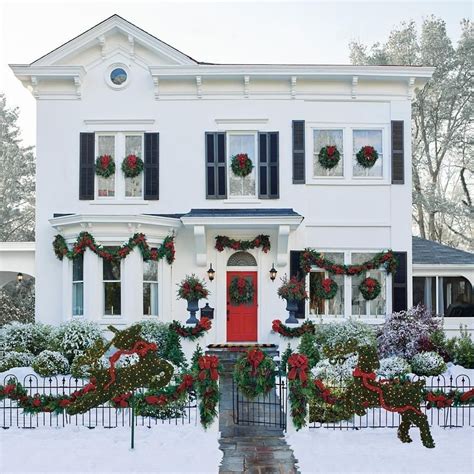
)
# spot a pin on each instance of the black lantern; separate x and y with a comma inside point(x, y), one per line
point(273, 272)
point(211, 273)
point(207, 312)
point(19, 277)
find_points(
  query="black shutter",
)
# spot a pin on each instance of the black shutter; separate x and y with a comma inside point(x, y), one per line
point(400, 284)
point(86, 166)
point(398, 158)
point(152, 166)
point(295, 270)
point(268, 159)
point(216, 178)
point(298, 152)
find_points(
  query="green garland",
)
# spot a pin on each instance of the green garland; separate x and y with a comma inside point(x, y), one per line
point(192, 333)
point(370, 288)
point(223, 242)
point(241, 165)
point(329, 156)
point(241, 291)
point(86, 240)
point(289, 332)
point(367, 156)
point(132, 166)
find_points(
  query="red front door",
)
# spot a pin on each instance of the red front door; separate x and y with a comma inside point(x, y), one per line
point(242, 318)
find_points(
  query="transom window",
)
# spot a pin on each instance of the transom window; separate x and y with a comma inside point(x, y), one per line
point(323, 138)
point(240, 142)
point(361, 138)
point(150, 288)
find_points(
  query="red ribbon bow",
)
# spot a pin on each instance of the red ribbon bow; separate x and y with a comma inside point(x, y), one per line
point(298, 367)
point(467, 395)
point(186, 383)
point(208, 363)
point(324, 392)
point(441, 401)
point(255, 357)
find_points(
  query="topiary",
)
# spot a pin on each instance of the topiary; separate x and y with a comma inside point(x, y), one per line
point(49, 363)
point(393, 367)
point(428, 363)
point(15, 359)
point(26, 337)
point(308, 347)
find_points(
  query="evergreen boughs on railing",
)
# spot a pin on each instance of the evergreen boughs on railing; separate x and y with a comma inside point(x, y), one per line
point(223, 242)
point(288, 332)
point(193, 332)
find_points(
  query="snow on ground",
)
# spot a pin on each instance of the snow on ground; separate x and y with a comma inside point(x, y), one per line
point(379, 451)
point(161, 449)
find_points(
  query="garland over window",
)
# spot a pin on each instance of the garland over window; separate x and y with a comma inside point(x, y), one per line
point(86, 240)
point(241, 291)
point(384, 260)
point(223, 242)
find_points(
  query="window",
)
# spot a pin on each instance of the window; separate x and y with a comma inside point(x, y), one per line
point(360, 306)
point(106, 146)
point(424, 292)
point(150, 288)
point(134, 146)
point(118, 76)
point(242, 143)
point(78, 285)
point(320, 306)
point(323, 138)
point(363, 138)
point(112, 287)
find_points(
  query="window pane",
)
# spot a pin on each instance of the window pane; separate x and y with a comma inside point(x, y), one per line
point(150, 299)
point(150, 271)
point(112, 299)
point(133, 186)
point(111, 270)
point(78, 299)
point(106, 145)
point(242, 144)
point(133, 145)
point(324, 138)
point(78, 268)
point(367, 137)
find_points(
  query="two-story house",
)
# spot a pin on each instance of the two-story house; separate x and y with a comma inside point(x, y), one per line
point(116, 92)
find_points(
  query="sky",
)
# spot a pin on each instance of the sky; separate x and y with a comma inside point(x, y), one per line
point(220, 31)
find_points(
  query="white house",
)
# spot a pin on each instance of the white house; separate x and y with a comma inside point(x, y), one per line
point(117, 90)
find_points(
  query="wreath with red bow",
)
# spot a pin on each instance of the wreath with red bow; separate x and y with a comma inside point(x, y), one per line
point(370, 288)
point(326, 289)
point(104, 166)
point(367, 156)
point(132, 166)
point(254, 373)
point(241, 165)
point(241, 291)
point(329, 156)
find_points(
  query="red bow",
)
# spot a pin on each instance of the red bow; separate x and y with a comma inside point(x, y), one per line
point(186, 383)
point(154, 400)
point(276, 324)
point(208, 363)
point(441, 401)
point(325, 393)
point(255, 357)
point(9, 388)
point(330, 150)
point(122, 400)
point(298, 367)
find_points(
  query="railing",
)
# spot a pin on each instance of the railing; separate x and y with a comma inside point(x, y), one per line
point(102, 416)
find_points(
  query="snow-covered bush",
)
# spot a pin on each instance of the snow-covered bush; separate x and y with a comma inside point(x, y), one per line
point(393, 367)
point(75, 336)
point(127, 360)
point(50, 363)
point(403, 332)
point(334, 334)
point(339, 374)
point(154, 331)
point(25, 337)
point(15, 359)
point(428, 363)
point(82, 371)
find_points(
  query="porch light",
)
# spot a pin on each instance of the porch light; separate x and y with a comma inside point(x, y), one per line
point(211, 272)
point(273, 272)
point(19, 277)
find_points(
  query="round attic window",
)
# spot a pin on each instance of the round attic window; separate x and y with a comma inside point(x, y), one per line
point(118, 76)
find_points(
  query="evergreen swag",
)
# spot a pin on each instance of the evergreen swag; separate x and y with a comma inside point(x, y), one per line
point(192, 288)
point(370, 288)
point(192, 333)
point(367, 156)
point(254, 373)
point(310, 257)
point(241, 291)
point(326, 289)
point(104, 166)
point(288, 332)
point(223, 242)
point(132, 166)
point(86, 240)
point(241, 165)
point(329, 156)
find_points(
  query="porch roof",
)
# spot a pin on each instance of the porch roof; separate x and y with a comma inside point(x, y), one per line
point(427, 252)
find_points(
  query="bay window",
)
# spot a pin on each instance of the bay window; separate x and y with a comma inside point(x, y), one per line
point(112, 287)
point(361, 138)
point(242, 143)
point(323, 138)
point(150, 288)
point(78, 285)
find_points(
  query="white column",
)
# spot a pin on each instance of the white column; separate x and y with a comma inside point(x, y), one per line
point(132, 282)
point(66, 289)
point(93, 286)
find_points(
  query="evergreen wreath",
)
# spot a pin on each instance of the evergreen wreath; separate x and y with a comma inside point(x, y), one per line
point(241, 165)
point(288, 332)
point(326, 289)
point(192, 333)
point(254, 373)
point(241, 291)
point(329, 156)
point(222, 242)
point(367, 156)
point(104, 166)
point(370, 288)
point(132, 166)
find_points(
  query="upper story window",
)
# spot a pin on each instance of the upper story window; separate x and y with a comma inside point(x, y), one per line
point(106, 146)
point(78, 285)
point(118, 76)
point(238, 144)
point(328, 138)
point(362, 138)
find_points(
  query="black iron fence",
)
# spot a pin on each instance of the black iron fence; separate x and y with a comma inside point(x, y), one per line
point(104, 416)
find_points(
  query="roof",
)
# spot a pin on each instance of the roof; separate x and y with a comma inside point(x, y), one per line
point(283, 212)
point(427, 252)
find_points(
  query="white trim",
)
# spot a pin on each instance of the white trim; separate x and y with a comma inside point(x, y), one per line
point(119, 122)
point(253, 121)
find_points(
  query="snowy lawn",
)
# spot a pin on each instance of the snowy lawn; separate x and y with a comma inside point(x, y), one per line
point(163, 448)
point(380, 451)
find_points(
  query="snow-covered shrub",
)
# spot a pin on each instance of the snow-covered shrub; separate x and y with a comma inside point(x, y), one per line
point(82, 371)
point(393, 367)
point(427, 363)
point(25, 337)
point(339, 374)
point(75, 336)
point(50, 363)
point(334, 334)
point(154, 331)
point(403, 332)
point(15, 359)
point(127, 360)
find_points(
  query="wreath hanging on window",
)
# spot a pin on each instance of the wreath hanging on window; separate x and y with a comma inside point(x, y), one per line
point(367, 156)
point(329, 156)
point(241, 291)
point(132, 166)
point(104, 166)
point(370, 288)
point(326, 289)
point(241, 165)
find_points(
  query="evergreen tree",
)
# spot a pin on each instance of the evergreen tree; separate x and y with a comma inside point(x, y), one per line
point(308, 347)
point(173, 351)
point(284, 358)
point(198, 352)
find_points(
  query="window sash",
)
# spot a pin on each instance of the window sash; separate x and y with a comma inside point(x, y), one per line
point(318, 143)
point(235, 184)
point(377, 171)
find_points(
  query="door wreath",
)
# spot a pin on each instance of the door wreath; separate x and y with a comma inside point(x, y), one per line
point(241, 291)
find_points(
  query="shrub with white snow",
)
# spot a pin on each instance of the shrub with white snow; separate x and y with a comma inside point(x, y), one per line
point(15, 359)
point(25, 337)
point(428, 363)
point(393, 367)
point(339, 374)
point(50, 363)
point(154, 331)
point(80, 370)
point(127, 360)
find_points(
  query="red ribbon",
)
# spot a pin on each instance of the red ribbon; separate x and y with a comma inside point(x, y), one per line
point(298, 367)
point(324, 392)
point(366, 377)
point(255, 357)
point(441, 401)
point(186, 383)
point(208, 363)
point(467, 395)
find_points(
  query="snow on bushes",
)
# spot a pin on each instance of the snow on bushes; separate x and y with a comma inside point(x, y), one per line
point(393, 367)
point(338, 374)
point(15, 359)
point(25, 337)
point(154, 331)
point(428, 363)
point(50, 363)
point(334, 334)
point(82, 371)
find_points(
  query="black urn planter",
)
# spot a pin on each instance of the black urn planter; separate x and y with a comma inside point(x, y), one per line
point(193, 307)
point(292, 308)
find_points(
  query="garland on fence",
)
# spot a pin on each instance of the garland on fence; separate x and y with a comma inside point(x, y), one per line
point(254, 373)
point(261, 240)
point(192, 333)
point(299, 389)
point(326, 289)
point(288, 332)
point(86, 240)
point(311, 257)
point(241, 291)
point(370, 288)
point(439, 399)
